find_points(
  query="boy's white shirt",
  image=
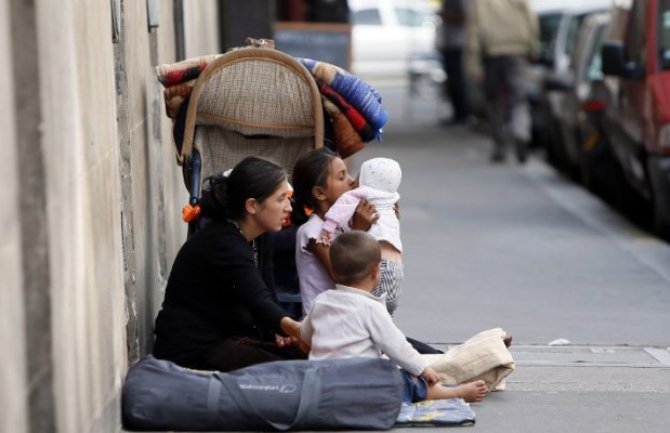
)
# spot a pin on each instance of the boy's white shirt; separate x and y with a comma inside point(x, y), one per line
point(349, 322)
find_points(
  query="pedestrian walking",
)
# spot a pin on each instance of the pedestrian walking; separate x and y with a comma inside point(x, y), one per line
point(451, 41)
point(503, 35)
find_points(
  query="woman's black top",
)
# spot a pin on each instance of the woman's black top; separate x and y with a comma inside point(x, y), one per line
point(215, 291)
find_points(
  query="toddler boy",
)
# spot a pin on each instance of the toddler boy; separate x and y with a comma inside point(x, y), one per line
point(350, 322)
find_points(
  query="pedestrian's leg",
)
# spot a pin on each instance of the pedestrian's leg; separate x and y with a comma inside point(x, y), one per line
point(446, 92)
point(456, 85)
point(495, 108)
point(459, 92)
point(515, 72)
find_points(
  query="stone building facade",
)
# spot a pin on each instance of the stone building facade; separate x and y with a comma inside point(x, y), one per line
point(92, 199)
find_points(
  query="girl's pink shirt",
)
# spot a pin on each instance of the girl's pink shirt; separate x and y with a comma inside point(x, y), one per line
point(312, 274)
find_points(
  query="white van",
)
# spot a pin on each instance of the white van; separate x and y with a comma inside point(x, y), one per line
point(389, 35)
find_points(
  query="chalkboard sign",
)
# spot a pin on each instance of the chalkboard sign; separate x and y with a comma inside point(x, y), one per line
point(330, 43)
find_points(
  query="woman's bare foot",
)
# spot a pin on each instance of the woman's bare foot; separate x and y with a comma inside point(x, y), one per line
point(507, 339)
point(472, 392)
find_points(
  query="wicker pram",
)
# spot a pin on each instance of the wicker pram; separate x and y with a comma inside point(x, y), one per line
point(249, 101)
point(252, 101)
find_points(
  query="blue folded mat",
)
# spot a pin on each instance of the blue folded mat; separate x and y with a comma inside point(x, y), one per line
point(432, 413)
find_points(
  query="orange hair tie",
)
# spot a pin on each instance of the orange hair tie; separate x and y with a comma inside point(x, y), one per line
point(190, 213)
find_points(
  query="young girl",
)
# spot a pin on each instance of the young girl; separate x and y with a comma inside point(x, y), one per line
point(319, 178)
point(378, 182)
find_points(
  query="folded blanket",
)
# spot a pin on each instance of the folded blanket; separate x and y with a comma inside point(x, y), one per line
point(360, 124)
point(175, 96)
point(355, 91)
point(484, 356)
point(347, 140)
point(355, 115)
point(183, 71)
point(179, 79)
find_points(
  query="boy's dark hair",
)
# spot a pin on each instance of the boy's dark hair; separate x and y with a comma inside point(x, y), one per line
point(353, 255)
point(309, 171)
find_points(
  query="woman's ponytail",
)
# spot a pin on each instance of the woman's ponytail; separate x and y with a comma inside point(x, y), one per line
point(214, 200)
point(226, 193)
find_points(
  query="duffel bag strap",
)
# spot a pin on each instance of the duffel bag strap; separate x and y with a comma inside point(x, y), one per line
point(309, 399)
point(213, 392)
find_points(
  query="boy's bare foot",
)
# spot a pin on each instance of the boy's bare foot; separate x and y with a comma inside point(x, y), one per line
point(472, 392)
point(507, 340)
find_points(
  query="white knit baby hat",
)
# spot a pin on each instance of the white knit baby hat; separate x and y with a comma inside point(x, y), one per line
point(383, 174)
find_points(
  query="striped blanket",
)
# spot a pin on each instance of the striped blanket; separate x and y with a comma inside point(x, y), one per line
point(354, 107)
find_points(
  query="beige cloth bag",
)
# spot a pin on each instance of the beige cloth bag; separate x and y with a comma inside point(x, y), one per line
point(484, 356)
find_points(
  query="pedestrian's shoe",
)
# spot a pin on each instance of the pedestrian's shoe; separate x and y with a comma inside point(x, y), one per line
point(498, 156)
point(453, 121)
point(521, 149)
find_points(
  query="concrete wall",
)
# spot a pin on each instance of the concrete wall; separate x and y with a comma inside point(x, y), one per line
point(13, 386)
point(201, 34)
point(92, 200)
point(137, 90)
point(80, 154)
point(152, 186)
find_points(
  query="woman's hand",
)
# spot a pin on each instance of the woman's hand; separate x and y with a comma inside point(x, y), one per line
point(285, 341)
point(364, 216)
point(292, 329)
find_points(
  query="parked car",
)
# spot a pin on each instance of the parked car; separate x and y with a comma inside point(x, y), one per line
point(549, 13)
point(574, 88)
point(581, 120)
point(393, 38)
point(637, 119)
point(560, 70)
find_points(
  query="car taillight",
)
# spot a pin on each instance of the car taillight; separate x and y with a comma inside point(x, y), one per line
point(664, 136)
point(593, 105)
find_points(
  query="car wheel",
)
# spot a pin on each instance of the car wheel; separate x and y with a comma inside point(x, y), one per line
point(661, 215)
point(659, 175)
point(662, 224)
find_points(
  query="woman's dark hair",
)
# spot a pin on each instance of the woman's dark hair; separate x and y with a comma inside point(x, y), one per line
point(309, 171)
point(253, 177)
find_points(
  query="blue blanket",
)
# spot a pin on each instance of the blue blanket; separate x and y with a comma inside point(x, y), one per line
point(361, 95)
point(427, 413)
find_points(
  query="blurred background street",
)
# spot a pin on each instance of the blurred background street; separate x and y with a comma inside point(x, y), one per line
point(560, 237)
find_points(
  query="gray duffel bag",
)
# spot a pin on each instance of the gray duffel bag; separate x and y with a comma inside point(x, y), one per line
point(356, 393)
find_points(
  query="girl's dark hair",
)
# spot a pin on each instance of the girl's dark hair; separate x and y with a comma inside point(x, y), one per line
point(309, 171)
point(253, 177)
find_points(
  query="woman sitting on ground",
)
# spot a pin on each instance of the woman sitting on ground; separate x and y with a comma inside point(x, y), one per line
point(220, 312)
